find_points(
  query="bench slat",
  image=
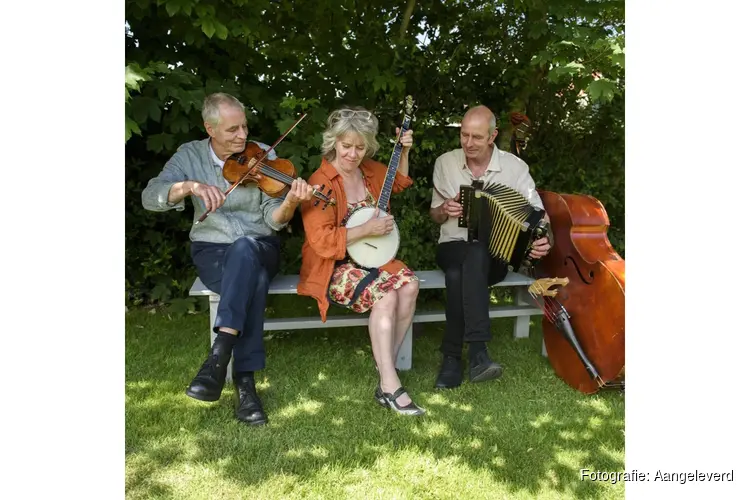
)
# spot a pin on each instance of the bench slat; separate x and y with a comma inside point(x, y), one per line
point(428, 280)
point(310, 322)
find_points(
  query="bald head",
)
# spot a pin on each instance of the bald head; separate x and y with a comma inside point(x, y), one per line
point(478, 132)
point(481, 114)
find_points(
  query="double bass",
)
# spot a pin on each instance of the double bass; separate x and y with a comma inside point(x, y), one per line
point(584, 325)
point(584, 320)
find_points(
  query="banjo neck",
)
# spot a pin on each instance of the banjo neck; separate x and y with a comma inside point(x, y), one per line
point(390, 176)
point(376, 250)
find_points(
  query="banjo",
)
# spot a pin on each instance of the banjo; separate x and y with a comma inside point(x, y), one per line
point(375, 251)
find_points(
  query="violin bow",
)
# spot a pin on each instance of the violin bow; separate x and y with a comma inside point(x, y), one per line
point(257, 162)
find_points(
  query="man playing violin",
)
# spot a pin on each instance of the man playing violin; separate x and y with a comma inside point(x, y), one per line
point(235, 249)
point(469, 269)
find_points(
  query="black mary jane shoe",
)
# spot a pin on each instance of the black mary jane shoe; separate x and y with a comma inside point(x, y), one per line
point(380, 398)
point(389, 401)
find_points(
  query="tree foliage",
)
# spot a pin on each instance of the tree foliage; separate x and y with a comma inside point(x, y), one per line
point(560, 63)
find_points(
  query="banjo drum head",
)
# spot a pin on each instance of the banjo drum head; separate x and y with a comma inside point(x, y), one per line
point(372, 251)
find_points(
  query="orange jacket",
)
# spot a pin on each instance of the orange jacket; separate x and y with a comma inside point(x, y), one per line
point(325, 238)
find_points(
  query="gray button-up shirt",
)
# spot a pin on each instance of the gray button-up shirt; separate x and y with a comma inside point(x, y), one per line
point(246, 211)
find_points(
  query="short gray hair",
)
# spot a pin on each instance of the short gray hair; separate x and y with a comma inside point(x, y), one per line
point(212, 103)
point(366, 128)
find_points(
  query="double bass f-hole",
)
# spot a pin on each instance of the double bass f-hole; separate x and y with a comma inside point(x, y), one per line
point(578, 270)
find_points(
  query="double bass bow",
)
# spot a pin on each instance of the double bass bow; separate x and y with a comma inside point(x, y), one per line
point(273, 177)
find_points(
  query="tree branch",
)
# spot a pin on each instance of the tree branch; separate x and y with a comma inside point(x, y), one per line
point(407, 17)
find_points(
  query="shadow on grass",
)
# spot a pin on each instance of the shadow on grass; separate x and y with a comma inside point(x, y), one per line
point(528, 430)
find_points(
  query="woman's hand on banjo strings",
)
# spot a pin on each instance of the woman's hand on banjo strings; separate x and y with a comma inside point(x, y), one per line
point(378, 226)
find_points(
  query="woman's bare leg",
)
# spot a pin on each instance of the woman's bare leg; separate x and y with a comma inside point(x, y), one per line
point(382, 327)
point(407, 303)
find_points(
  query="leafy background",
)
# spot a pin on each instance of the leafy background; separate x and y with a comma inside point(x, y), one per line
point(560, 63)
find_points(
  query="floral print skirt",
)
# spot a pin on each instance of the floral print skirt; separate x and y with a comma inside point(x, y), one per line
point(347, 276)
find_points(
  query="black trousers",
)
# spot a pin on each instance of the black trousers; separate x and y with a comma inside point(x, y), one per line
point(469, 271)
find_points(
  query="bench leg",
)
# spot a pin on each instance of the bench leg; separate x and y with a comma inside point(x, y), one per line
point(403, 358)
point(213, 304)
point(521, 328)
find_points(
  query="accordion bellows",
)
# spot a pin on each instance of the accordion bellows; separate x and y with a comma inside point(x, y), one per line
point(502, 219)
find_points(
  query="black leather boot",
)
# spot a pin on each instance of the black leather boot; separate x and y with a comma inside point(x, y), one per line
point(248, 407)
point(482, 368)
point(209, 382)
point(451, 373)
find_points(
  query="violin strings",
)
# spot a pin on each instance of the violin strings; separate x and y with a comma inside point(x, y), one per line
point(282, 177)
point(275, 174)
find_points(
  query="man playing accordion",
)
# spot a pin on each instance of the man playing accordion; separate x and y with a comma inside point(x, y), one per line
point(468, 267)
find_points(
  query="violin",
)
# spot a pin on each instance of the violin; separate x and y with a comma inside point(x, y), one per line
point(584, 327)
point(273, 177)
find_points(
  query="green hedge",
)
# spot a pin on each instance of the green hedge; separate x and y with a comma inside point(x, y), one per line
point(568, 160)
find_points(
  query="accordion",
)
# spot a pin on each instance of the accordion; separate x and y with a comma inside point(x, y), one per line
point(503, 220)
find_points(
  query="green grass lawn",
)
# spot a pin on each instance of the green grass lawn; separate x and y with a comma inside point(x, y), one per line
point(526, 435)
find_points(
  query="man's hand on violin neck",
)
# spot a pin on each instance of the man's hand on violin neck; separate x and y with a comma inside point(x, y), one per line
point(213, 198)
point(300, 191)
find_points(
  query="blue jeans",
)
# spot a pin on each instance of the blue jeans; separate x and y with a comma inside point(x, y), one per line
point(240, 273)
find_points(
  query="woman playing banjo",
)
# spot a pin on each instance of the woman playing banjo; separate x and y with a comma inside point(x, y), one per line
point(328, 274)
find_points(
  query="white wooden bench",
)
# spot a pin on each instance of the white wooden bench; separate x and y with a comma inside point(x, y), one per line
point(522, 308)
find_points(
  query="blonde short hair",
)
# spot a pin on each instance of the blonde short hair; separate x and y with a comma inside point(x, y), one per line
point(343, 121)
point(211, 112)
